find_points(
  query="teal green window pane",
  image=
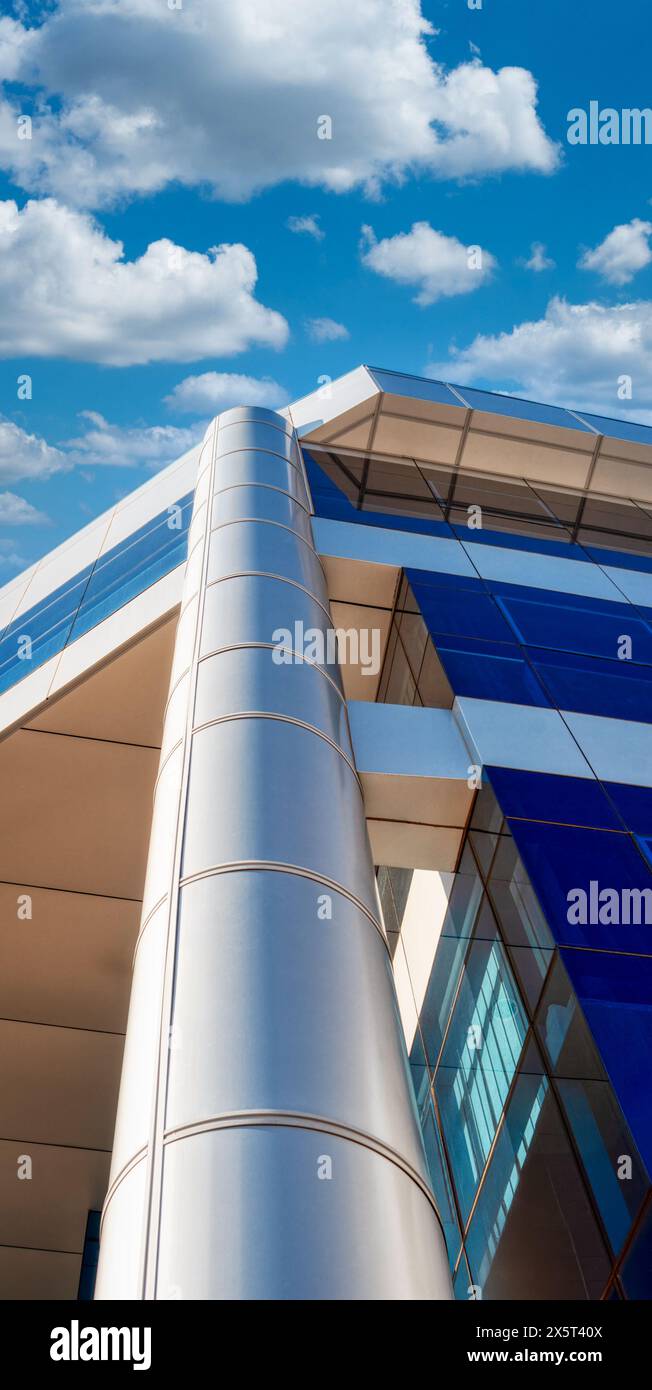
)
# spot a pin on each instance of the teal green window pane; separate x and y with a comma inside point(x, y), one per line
point(533, 1228)
point(478, 1063)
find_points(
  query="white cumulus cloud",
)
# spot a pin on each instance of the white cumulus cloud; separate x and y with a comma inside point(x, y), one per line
point(211, 392)
point(67, 290)
point(623, 252)
point(25, 455)
point(539, 259)
point(103, 444)
point(309, 225)
point(326, 330)
point(130, 95)
point(576, 355)
point(17, 511)
point(438, 266)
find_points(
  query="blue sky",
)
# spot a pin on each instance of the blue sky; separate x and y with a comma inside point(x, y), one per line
point(195, 126)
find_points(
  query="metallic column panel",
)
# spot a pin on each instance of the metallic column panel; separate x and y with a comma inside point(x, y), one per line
point(305, 775)
point(267, 1143)
point(319, 1014)
point(247, 466)
point(122, 1233)
point(238, 681)
point(263, 547)
point(252, 608)
point(274, 1228)
point(268, 503)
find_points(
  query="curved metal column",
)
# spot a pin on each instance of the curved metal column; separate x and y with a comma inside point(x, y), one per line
point(267, 1144)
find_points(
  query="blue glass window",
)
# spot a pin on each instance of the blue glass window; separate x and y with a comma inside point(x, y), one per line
point(489, 671)
point(96, 591)
point(545, 796)
point(591, 628)
point(47, 625)
point(420, 387)
point(634, 804)
point(619, 429)
point(522, 410)
point(564, 861)
point(129, 568)
point(431, 581)
point(463, 614)
point(590, 685)
point(616, 995)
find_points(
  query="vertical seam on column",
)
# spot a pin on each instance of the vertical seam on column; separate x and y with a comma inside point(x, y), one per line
point(157, 1127)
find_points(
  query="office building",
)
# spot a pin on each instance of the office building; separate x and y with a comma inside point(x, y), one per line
point(327, 864)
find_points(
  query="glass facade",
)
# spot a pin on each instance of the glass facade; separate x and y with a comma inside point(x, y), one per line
point(117, 576)
point(529, 1057)
point(541, 1185)
point(480, 508)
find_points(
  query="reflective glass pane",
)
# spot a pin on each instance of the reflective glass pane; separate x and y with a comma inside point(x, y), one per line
point(569, 868)
point(463, 614)
point(591, 628)
point(545, 796)
point(130, 568)
point(591, 685)
point(422, 388)
point(40, 632)
point(521, 410)
point(619, 429)
point(489, 671)
point(478, 1062)
point(533, 1228)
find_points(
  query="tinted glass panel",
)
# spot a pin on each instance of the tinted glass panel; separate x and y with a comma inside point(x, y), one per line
point(463, 614)
point(533, 1228)
point(615, 992)
point(130, 568)
point(619, 429)
point(521, 410)
point(570, 868)
point(422, 388)
point(564, 800)
point(489, 671)
point(478, 1062)
point(618, 690)
point(593, 629)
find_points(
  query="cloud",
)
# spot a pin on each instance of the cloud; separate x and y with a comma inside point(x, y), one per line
point(16, 511)
point(67, 290)
point(574, 356)
point(24, 455)
point(622, 253)
point(309, 225)
point(538, 259)
point(326, 330)
point(214, 391)
point(10, 556)
point(131, 95)
point(440, 266)
point(118, 446)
